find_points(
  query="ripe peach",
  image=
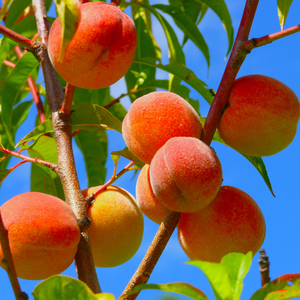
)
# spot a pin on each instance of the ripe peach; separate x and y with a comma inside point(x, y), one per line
point(117, 226)
point(232, 222)
point(43, 234)
point(101, 50)
point(146, 199)
point(261, 116)
point(185, 174)
point(155, 118)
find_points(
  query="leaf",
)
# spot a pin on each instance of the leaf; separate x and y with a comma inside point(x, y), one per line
point(257, 162)
point(188, 27)
point(61, 287)
point(3, 174)
point(115, 155)
point(184, 74)
point(218, 277)
point(237, 265)
point(221, 10)
point(279, 288)
point(15, 11)
point(13, 86)
point(93, 145)
point(20, 114)
point(283, 7)
point(69, 15)
point(182, 288)
point(4, 9)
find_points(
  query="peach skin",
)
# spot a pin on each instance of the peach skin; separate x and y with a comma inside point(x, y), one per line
point(101, 50)
point(155, 118)
point(232, 222)
point(261, 116)
point(43, 234)
point(185, 174)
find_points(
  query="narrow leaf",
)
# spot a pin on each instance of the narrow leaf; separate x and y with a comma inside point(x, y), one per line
point(5, 8)
point(13, 86)
point(127, 154)
point(218, 277)
point(20, 114)
point(184, 74)
point(69, 15)
point(221, 10)
point(182, 288)
point(62, 287)
point(279, 288)
point(283, 7)
point(16, 9)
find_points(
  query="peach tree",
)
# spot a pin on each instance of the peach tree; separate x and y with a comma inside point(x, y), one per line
point(80, 55)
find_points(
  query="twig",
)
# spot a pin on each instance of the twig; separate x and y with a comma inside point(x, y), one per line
point(264, 267)
point(8, 263)
point(236, 59)
point(267, 39)
point(62, 128)
point(67, 104)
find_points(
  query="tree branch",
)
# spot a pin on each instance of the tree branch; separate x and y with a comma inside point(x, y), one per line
point(264, 267)
point(68, 99)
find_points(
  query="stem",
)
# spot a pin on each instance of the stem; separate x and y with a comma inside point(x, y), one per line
point(267, 39)
point(23, 41)
point(237, 57)
point(264, 267)
point(67, 104)
point(8, 263)
point(166, 229)
point(66, 170)
point(118, 99)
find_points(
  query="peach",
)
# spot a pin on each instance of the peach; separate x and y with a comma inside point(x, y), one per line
point(117, 226)
point(43, 234)
point(155, 118)
point(185, 174)
point(261, 116)
point(101, 50)
point(146, 199)
point(232, 222)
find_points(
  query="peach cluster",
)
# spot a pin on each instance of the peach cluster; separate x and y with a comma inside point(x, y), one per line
point(101, 50)
point(43, 234)
point(185, 175)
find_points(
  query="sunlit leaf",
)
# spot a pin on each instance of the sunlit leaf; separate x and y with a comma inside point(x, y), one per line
point(15, 11)
point(127, 154)
point(5, 8)
point(69, 15)
point(62, 287)
point(182, 288)
point(283, 7)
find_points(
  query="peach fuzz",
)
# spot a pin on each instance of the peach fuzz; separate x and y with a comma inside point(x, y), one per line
point(261, 116)
point(43, 234)
point(232, 222)
point(146, 199)
point(155, 118)
point(185, 174)
point(101, 50)
point(117, 226)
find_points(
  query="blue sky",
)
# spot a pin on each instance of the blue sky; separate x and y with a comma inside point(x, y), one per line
point(279, 60)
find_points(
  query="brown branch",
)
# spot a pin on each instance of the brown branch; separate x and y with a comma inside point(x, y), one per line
point(67, 104)
point(116, 100)
point(264, 267)
point(66, 170)
point(237, 57)
point(166, 229)
point(23, 41)
point(8, 263)
point(267, 39)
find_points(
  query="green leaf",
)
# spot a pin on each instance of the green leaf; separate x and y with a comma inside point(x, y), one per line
point(257, 162)
point(69, 15)
point(66, 288)
point(184, 74)
point(20, 114)
point(221, 10)
point(3, 174)
point(283, 7)
point(218, 277)
point(237, 265)
point(93, 145)
point(279, 288)
point(188, 27)
point(13, 86)
point(182, 288)
point(115, 155)
point(5, 8)
point(15, 11)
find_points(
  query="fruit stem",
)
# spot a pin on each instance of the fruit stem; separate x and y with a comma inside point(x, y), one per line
point(237, 57)
point(8, 263)
point(264, 267)
point(267, 39)
point(67, 104)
